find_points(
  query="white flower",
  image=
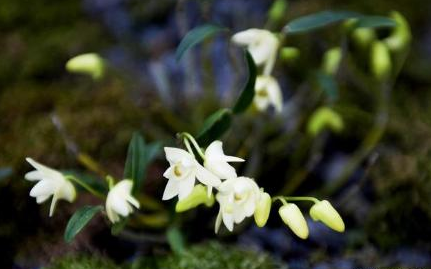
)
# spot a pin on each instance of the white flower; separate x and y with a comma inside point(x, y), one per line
point(51, 182)
point(261, 44)
point(238, 198)
point(267, 92)
point(120, 200)
point(217, 162)
point(182, 173)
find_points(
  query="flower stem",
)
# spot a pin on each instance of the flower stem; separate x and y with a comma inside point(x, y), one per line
point(195, 144)
point(189, 148)
point(284, 199)
point(85, 186)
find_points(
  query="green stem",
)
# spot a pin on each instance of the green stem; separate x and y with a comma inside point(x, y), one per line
point(283, 199)
point(86, 186)
point(195, 144)
point(189, 148)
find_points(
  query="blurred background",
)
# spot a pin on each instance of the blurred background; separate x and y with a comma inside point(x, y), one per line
point(383, 194)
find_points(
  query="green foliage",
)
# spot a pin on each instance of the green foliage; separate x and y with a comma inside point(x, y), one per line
point(215, 126)
point(247, 94)
point(175, 240)
point(136, 161)
point(196, 36)
point(78, 221)
point(212, 256)
point(83, 262)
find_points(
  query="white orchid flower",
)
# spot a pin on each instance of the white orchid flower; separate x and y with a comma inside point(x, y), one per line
point(238, 198)
point(183, 171)
point(267, 92)
point(120, 200)
point(261, 44)
point(51, 183)
point(217, 162)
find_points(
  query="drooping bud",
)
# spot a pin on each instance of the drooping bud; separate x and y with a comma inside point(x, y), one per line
point(89, 63)
point(263, 208)
point(381, 65)
point(278, 10)
point(401, 35)
point(331, 61)
point(289, 54)
point(322, 118)
point(363, 37)
point(198, 196)
point(323, 211)
point(292, 217)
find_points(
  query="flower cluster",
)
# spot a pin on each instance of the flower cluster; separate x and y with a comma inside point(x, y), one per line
point(238, 197)
point(263, 47)
point(119, 200)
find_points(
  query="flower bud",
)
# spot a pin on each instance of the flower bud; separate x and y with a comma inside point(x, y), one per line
point(322, 118)
point(278, 10)
point(331, 60)
point(362, 37)
point(198, 196)
point(324, 212)
point(89, 63)
point(289, 54)
point(401, 35)
point(292, 217)
point(380, 60)
point(263, 208)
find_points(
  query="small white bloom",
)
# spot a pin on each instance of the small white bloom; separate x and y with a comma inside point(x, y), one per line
point(261, 44)
point(120, 200)
point(238, 198)
point(182, 173)
point(217, 162)
point(51, 182)
point(267, 92)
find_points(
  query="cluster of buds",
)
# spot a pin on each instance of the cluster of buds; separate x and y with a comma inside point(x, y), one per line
point(238, 197)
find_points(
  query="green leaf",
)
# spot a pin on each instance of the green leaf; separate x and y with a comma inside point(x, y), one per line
point(175, 240)
point(317, 20)
point(195, 36)
point(328, 85)
point(5, 172)
point(79, 220)
point(136, 161)
point(215, 126)
point(247, 94)
point(374, 22)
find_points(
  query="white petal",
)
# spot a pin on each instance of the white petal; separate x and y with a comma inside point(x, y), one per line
point(238, 215)
point(246, 37)
point(249, 207)
point(125, 185)
point(53, 204)
point(215, 151)
point(119, 205)
point(174, 155)
point(133, 201)
point(206, 177)
point(171, 189)
point(42, 188)
point(221, 169)
point(186, 187)
point(48, 172)
point(67, 191)
point(169, 172)
point(218, 222)
point(228, 221)
point(42, 198)
point(274, 94)
point(233, 159)
point(260, 53)
point(112, 216)
point(34, 175)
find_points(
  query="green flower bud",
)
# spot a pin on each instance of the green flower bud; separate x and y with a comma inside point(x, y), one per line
point(278, 10)
point(401, 35)
point(324, 212)
point(381, 65)
point(289, 54)
point(292, 217)
point(323, 118)
point(363, 37)
point(331, 60)
point(199, 195)
point(90, 63)
point(263, 208)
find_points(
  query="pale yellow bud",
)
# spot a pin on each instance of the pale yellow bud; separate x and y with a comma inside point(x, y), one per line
point(331, 60)
point(198, 196)
point(324, 212)
point(323, 118)
point(401, 35)
point(381, 65)
point(289, 54)
point(292, 217)
point(90, 63)
point(363, 36)
point(263, 208)
point(278, 10)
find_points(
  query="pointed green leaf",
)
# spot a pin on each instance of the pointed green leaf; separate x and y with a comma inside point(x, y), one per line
point(374, 22)
point(317, 20)
point(5, 172)
point(136, 161)
point(78, 221)
point(247, 94)
point(215, 126)
point(195, 36)
point(328, 85)
point(175, 240)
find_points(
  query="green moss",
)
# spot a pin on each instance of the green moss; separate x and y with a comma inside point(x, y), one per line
point(211, 255)
point(83, 262)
